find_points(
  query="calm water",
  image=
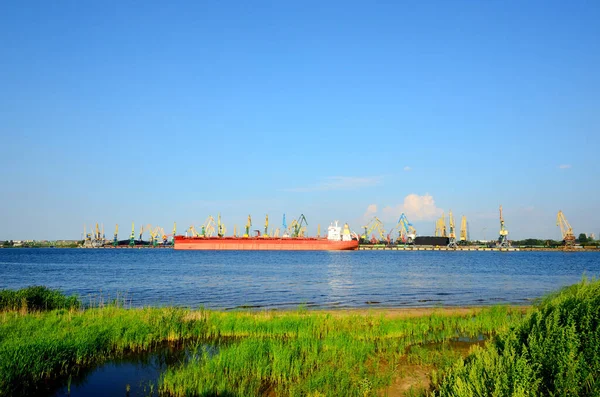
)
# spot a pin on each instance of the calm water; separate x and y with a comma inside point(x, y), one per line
point(227, 280)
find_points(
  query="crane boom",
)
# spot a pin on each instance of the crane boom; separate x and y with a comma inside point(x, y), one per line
point(132, 237)
point(566, 230)
point(452, 234)
point(248, 225)
point(373, 224)
point(463, 229)
point(503, 238)
point(406, 230)
point(266, 234)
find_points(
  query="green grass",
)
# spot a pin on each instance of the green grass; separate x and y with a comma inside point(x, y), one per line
point(553, 350)
point(36, 298)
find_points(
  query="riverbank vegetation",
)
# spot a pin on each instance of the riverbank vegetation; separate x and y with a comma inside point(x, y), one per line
point(549, 349)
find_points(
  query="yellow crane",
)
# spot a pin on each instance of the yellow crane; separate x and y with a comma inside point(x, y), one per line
point(452, 234)
point(463, 229)
point(132, 237)
point(208, 228)
point(248, 226)
point(503, 238)
point(115, 239)
point(266, 233)
point(566, 230)
point(220, 227)
point(193, 231)
point(174, 232)
point(298, 227)
point(372, 225)
point(440, 226)
point(141, 232)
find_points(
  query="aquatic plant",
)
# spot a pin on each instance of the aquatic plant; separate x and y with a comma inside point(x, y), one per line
point(555, 350)
point(286, 353)
point(36, 298)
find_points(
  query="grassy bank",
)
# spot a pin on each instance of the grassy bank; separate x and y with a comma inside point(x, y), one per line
point(551, 349)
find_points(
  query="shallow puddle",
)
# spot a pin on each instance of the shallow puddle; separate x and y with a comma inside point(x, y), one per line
point(133, 374)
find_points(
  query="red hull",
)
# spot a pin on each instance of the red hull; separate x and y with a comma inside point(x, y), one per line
point(260, 243)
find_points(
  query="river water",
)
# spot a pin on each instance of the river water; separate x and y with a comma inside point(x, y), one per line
point(283, 279)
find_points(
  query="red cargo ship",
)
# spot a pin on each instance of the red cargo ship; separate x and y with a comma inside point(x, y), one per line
point(335, 241)
point(262, 243)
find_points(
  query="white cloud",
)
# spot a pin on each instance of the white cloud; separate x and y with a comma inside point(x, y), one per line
point(415, 207)
point(340, 183)
point(371, 211)
point(407, 168)
point(564, 166)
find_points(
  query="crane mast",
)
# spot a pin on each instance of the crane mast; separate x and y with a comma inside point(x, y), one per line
point(452, 235)
point(503, 238)
point(566, 231)
point(463, 229)
point(406, 230)
point(373, 224)
point(132, 237)
point(266, 233)
point(440, 226)
point(248, 225)
point(220, 226)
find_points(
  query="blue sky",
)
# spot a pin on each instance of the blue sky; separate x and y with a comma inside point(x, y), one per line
point(155, 112)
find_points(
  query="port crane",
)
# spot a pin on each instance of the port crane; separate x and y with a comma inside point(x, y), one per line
point(372, 225)
point(452, 235)
point(86, 236)
point(208, 228)
point(132, 237)
point(248, 226)
point(407, 232)
point(141, 233)
point(221, 230)
point(266, 233)
point(298, 227)
point(463, 229)
point(115, 239)
point(284, 228)
point(566, 231)
point(440, 226)
point(503, 238)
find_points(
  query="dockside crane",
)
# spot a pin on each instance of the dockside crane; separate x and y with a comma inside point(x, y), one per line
point(141, 233)
point(208, 228)
point(132, 237)
point(440, 226)
point(284, 228)
point(266, 233)
point(503, 238)
point(248, 226)
point(566, 231)
point(452, 234)
point(220, 226)
point(463, 229)
point(372, 225)
point(298, 227)
point(406, 230)
point(115, 239)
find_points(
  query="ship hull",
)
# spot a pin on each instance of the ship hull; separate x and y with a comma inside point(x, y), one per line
point(262, 244)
